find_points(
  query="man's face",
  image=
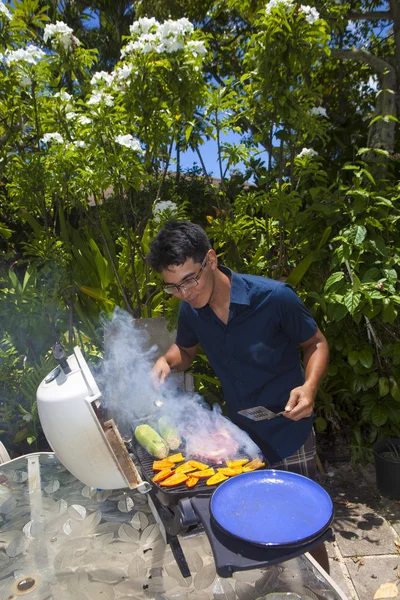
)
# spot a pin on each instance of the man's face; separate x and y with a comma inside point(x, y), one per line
point(199, 295)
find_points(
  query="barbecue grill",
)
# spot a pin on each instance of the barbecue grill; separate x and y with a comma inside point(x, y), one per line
point(91, 448)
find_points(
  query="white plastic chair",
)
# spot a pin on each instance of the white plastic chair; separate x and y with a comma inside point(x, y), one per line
point(4, 456)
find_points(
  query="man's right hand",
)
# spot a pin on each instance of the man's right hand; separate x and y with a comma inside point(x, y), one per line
point(160, 371)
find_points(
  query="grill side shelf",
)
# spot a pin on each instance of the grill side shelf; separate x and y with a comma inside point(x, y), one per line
point(233, 554)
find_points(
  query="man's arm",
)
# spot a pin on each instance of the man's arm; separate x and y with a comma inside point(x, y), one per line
point(316, 358)
point(176, 358)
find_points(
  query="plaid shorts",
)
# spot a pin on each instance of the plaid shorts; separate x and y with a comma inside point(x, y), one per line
point(303, 462)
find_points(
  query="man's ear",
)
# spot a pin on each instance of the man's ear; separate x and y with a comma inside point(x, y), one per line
point(212, 259)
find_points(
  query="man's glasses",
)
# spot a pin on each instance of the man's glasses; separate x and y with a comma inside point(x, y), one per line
point(188, 284)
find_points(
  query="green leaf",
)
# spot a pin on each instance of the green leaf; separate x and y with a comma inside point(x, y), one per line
point(389, 313)
point(368, 405)
point(356, 283)
point(33, 223)
point(356, 384)
point(372, 380)
point(368, 175)
point(351, 301)
point(353, 358)
point(298, 272)
point(379, 414)
point(188, 132)
point(394, 389)
point(366, 358)
point(360, 234)
point(30, 439)
point(325, 237)
point(333, 279)
point(96, 293)
point(28, 274)
point(320, 424)
point(374, 222)
point(372, 274)
point(383, 386)
point(5, 231)
point(21, 435)
point(63, 224)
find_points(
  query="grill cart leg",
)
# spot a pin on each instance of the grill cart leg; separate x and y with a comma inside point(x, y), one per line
point(168, 522)
point(178, 555)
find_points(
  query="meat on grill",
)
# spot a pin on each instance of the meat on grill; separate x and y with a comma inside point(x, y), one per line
point(213, 448)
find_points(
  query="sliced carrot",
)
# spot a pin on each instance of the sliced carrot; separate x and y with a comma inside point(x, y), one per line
point(175, 458)
point(253, 465)
point(185, 468)
point(161, 475)
point(191, 481)
point(200, 466)
point(175, 479)
point(230, 472)
point(201, 474)
point(159, 465)
point(237, 463)
point(217, 478)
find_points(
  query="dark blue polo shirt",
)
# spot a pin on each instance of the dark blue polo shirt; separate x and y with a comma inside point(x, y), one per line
point(256, 355)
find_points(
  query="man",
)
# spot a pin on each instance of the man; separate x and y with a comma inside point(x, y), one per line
point(250, 329)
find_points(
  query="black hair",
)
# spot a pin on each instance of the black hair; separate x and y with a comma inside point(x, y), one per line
point(176, 242)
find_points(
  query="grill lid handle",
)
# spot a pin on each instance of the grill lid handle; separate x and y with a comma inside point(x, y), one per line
point(59, 354)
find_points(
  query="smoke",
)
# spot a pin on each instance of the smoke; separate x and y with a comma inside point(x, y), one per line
point(124, 377)
point(131, 397)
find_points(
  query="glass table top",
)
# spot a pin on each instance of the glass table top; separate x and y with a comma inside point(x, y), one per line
point(62, 540)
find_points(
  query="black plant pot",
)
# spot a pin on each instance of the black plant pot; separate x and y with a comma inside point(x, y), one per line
point(387, 467)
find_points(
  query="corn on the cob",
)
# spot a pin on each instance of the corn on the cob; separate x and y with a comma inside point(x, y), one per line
point(169, 432)
point(151, 441)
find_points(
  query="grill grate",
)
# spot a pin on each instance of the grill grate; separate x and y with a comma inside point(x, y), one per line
point(175, 493)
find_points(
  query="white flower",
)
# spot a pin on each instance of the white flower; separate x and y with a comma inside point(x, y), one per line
point(169, 45)
point(61, 33)
point(84, 120)
point(198, 48)
point(59, 28)
point(286, 4)
point(174, 28)
point(79, 143)
point(100, 96)
point(373, 82)
point(31, 54)
point(4, 11)
point(161, 207)
point(64, 96)
point(102, 76)
point(52, 137)
point(166, 37)
point(318, 110)
point(71, 115)
point(142, 25)
point(129, 142)
point(25, 81)
point(311, 13)
point(308, 152)
point(122, 73)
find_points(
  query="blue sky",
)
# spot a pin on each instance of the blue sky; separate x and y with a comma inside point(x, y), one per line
point(209, 152)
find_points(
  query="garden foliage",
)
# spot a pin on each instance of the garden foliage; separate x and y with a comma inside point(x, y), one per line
point(86, 161)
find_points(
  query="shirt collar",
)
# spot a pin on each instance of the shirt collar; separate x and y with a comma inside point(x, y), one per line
point(239, 290)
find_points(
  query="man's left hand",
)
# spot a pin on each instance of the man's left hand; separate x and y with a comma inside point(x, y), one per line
point(300, 404)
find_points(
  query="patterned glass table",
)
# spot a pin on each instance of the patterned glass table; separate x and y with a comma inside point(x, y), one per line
point(62, 540)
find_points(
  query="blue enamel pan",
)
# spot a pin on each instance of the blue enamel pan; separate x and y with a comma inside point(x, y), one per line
point(272, 508)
